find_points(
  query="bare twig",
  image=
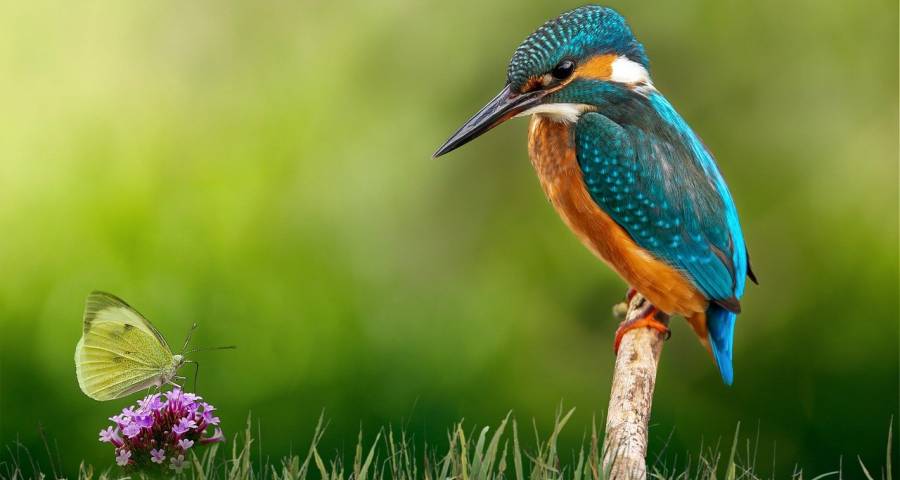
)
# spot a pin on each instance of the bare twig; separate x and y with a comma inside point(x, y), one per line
point(625, 448)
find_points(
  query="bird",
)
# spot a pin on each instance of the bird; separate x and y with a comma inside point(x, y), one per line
point(626, 173)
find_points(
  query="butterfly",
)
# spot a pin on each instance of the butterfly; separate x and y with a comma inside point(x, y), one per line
point(121, 352)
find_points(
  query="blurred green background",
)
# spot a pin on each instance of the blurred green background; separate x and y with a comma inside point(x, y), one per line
point(263, 168)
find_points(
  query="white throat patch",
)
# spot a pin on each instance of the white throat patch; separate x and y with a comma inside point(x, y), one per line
point(559, 112)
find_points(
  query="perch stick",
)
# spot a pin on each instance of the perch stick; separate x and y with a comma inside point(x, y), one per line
point(628, 415)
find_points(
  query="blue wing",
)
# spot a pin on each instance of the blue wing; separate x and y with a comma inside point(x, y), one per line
point(657, 181)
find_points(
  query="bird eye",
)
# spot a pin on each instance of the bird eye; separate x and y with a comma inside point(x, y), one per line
point(563, 70)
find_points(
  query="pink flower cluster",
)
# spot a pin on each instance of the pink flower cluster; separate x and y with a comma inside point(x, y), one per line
point(160, 432)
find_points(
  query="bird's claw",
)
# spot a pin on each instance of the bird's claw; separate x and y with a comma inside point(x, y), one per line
point(648, 320)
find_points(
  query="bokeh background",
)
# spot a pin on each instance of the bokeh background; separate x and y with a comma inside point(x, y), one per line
point(263, 168)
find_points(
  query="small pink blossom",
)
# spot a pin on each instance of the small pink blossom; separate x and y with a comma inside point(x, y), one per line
point(123, 457)
point(143, 421)
point(109, 435)
point(190, 397)
point(209, 418)
point(151, 403)
point(157, 455)
point(184, 425)
point(131, 430)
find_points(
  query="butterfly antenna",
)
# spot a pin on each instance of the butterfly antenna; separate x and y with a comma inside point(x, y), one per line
point(195, 350)
point(188, 339)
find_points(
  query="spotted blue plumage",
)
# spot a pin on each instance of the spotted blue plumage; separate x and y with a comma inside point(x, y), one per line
point(645, 167)
point(585, 31)
point(639, 181)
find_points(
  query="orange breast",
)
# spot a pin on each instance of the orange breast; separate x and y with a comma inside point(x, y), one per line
point(552, 153)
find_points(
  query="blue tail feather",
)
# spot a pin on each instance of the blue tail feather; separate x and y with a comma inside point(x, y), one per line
point(720, 325)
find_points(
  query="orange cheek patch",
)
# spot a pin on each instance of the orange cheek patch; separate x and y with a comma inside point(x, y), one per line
point(598, 67)
point(533, 83)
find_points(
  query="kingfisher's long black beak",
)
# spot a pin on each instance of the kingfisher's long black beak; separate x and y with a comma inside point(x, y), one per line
point(504, 106)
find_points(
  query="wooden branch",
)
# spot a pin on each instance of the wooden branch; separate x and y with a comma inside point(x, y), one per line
point(625, 446)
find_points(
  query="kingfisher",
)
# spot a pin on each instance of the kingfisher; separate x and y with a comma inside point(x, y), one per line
point(626, 173)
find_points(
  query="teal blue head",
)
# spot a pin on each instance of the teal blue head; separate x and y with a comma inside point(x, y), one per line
point(563, 69)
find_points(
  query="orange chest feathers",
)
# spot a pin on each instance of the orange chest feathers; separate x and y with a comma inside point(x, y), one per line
point(552, 150)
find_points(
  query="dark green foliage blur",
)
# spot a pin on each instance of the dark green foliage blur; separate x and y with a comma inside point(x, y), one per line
point(263, 168)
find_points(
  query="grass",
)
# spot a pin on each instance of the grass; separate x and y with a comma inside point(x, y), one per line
point(477, 454)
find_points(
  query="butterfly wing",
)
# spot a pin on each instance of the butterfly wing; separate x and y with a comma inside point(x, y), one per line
point(120, 352)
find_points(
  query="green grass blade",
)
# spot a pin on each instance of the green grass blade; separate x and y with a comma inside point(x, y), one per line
point(889, 444)
point(364, 470)
point(478, 455)
point(731, 468)
point(864, 469)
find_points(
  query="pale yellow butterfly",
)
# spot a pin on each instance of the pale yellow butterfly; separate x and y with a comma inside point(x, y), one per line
point(120, 351)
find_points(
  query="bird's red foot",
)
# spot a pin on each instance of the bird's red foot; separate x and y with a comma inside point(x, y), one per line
point(648, 319)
